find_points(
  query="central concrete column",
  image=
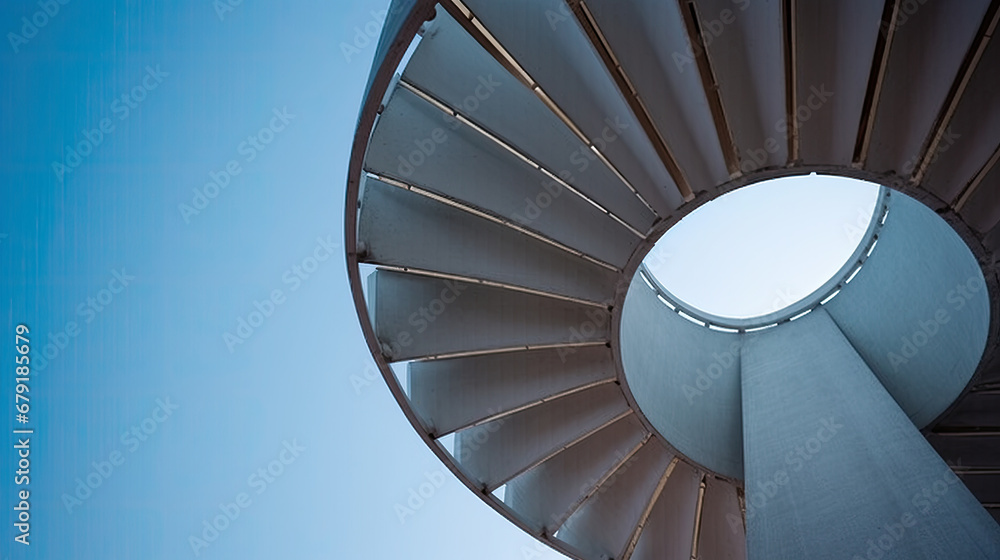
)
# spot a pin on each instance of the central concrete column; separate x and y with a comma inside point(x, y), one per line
point(834, 468)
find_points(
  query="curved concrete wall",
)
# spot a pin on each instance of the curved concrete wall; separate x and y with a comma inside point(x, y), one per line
point(918, 311)
point(686, 380)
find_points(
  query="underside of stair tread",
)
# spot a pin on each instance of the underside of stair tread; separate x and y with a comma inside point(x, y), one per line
point(505, 187)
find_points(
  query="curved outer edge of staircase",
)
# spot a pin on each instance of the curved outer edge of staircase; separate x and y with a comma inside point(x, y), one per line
point(380, 81)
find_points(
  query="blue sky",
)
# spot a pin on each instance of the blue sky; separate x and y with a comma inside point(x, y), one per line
point(168, 171)
point(762, 248)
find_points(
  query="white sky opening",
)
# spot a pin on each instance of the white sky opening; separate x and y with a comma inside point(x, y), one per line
point(764, 247)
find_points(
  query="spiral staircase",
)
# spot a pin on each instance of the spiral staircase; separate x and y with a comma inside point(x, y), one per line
point(514, 163)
